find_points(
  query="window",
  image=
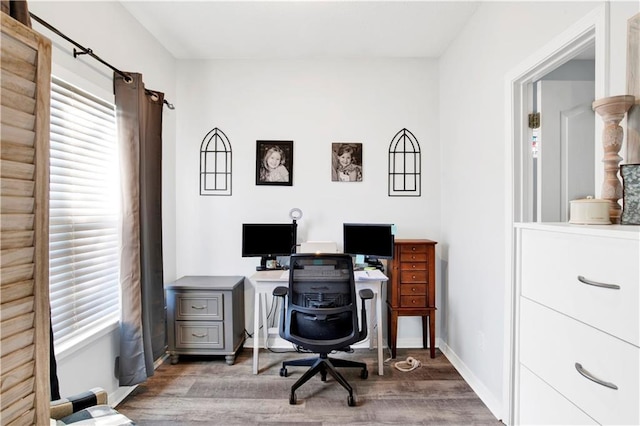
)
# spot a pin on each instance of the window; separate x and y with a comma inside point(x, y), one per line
point(84, 215)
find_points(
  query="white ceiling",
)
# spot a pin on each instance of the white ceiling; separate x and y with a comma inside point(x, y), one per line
point(303, 29)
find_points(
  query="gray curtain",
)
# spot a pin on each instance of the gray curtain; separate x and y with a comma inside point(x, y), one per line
point(143, 318)
point(17, 9)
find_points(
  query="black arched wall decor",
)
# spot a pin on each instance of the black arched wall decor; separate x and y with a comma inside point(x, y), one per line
point(404, 165)
point(215, 164)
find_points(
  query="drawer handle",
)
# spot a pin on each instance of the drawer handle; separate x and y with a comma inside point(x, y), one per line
point(413, 277)
point(591, 377)
point(198, 335)
point(198, 307)
point(597, 284)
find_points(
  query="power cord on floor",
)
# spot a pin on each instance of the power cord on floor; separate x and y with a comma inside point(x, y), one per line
point(409, 365)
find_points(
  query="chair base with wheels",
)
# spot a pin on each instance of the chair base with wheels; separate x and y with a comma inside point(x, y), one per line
point(323, 365)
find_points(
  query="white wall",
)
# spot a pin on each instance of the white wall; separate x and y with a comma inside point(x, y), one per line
point(108, 29)
point(313, 103)
point(472, 83)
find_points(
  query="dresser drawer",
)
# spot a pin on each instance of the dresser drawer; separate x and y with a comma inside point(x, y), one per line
point(552, 343)
point(413, 256)
point(413, 301)
point(413, 277)
point(413, 248)
point(540, 404)
point(413, 289)
point(551, 263)
point(199, 306)
point(413, 266)
point(199, 334)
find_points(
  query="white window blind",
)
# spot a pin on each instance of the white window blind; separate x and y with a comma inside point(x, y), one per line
point(84, 214)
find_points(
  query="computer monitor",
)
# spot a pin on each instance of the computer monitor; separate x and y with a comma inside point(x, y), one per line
point(267, 241)
point(372, 240)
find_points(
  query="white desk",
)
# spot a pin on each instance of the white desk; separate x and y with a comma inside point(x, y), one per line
point(266, 281)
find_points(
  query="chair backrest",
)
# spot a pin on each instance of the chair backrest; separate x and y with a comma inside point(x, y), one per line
point(321, 313)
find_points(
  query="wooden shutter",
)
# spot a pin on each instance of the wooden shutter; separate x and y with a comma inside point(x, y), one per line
point(24, 211)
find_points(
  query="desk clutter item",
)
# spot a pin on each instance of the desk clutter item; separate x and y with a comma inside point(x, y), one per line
point(412, 289)
point(589, 211)
point(630, 194)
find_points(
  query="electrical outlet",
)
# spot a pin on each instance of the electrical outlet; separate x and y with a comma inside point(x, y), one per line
point(481, 341)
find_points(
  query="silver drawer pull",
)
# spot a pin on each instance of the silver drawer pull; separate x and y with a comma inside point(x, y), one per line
point(589, 376)
point(198, 307)
point(198, 335)
point(597, 284)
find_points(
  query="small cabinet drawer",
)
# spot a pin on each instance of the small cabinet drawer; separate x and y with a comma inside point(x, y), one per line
point(552, 345)
point(413, 289)
point(199, 334)
point(199, 306)
point(413, 248)
point(413, 277)
point(540, 404)
point(413, 301)
point(413, 266)
point(552, 264)
point(413, 256)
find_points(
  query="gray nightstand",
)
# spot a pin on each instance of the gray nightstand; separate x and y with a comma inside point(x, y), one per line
point(206, 316)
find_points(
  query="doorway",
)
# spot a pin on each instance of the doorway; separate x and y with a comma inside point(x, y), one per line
point(589, 34)
point(562, 138)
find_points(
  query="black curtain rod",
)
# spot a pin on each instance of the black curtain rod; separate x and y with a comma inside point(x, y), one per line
point(86, 51)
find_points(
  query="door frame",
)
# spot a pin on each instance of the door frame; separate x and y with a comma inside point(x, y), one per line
point(591, 30)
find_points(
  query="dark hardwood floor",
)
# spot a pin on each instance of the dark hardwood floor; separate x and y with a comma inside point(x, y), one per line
point(207, 391)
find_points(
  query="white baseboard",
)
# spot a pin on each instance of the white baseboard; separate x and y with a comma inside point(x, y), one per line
point(494, 405)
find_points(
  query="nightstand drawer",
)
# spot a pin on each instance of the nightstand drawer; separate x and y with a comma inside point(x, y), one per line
point(199, 306)
point(413, 277)
point(413, 301)
point(413, 289)
point(199, 334)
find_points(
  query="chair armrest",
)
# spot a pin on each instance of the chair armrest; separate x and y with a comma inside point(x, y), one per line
point(280, 291)
point(366, 294)
point(65, 406)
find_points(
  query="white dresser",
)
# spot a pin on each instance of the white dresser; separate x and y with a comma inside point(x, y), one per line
point(577, 324)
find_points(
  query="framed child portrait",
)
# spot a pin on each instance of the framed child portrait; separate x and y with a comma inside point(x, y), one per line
point(274, 163)
point(346, 162)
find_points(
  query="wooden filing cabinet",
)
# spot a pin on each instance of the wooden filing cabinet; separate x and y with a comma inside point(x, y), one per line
point(412, 288)
point(206, 316)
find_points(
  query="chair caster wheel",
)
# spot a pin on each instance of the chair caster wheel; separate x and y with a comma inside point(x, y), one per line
point(292, 398)
point(364, 374)
point(283, 372)
point(351, 401)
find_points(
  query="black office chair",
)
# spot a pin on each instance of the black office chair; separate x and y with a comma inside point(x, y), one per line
point(321, 316)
